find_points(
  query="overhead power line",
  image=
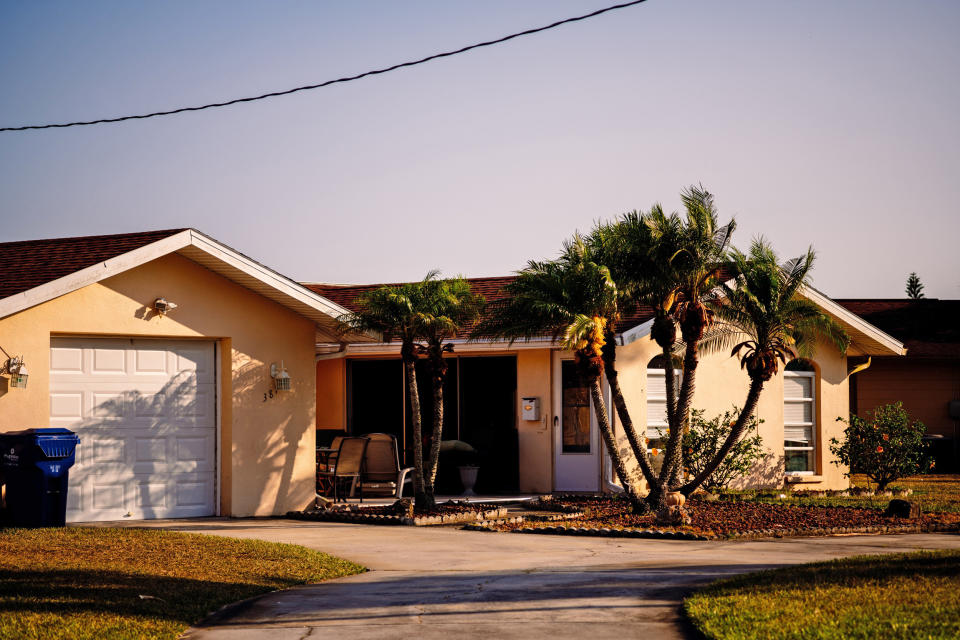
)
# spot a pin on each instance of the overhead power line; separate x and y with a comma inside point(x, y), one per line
point(327, 83)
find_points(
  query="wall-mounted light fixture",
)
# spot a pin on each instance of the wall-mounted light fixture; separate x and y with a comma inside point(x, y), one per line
point(281, 379)
point(163, 306)
point(18, 372)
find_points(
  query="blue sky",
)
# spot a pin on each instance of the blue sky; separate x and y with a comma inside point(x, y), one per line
point(818, 122)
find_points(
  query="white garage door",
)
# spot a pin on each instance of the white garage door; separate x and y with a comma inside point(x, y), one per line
point(145, 411)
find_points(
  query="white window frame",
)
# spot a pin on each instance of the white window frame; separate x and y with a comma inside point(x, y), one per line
point(812, 401)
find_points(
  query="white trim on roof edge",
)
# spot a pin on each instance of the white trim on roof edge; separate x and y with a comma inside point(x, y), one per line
point(171, 244)
point(831, 307)
point(855, 321)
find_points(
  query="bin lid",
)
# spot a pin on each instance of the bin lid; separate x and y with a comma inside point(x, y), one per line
point(40, 431)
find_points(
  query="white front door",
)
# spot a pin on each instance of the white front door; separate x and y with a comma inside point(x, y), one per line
point(575, 435)
point(145, 412)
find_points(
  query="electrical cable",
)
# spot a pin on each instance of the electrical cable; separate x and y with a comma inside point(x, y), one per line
point(327, 83)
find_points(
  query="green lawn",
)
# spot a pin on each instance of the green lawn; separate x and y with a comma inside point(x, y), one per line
point(936, 493)
point(913, 595)
point(128, 583)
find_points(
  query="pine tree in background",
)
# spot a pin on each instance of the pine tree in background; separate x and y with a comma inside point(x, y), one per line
point(914, 286)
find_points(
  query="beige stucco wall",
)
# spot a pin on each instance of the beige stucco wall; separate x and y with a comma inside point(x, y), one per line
point(267, 447)
point(534, 378)
point(721, 384)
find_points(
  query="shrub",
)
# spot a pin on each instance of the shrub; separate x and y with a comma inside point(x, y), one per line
point(704, 438)
point(886, 447)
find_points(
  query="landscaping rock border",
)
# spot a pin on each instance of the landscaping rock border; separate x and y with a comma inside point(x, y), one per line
point(358, 517)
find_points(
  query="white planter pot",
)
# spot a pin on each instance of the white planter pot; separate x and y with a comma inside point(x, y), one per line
point(468, 476)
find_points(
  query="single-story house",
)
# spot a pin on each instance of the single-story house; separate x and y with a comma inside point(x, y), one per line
point(927, 379)
point(198, 380)
point(557, 447)
point(161, 350)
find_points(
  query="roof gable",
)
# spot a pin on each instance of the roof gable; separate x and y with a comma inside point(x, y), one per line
point(64, 265)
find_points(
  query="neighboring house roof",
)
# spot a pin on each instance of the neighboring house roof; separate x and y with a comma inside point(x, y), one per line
point(928, 327)
point(35, 271)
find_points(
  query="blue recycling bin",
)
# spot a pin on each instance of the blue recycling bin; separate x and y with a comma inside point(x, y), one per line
point(36, 464)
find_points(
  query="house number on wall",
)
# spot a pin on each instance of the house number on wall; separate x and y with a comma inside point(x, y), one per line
point(268, 395)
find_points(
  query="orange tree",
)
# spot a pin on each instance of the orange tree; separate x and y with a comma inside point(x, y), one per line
point(885, 447)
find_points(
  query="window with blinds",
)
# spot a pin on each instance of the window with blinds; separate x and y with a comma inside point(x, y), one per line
point(657, 403)
point(799, 420)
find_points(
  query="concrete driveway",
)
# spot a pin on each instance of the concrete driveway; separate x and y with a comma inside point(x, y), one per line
point(440, 583)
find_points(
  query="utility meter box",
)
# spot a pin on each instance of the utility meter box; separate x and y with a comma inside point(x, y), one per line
point(530, 408)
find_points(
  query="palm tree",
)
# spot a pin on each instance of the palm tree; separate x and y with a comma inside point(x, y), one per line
point(667, 263)
point(392, 312)
point(765, 306)
point(444, 308)
point(626, 247)
point(700, 252)
point(574, 300)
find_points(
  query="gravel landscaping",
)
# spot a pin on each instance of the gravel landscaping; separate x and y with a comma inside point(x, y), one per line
point(611, 516)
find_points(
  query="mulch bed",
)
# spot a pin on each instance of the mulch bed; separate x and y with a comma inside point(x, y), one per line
point(446, 513)
point(610, 516)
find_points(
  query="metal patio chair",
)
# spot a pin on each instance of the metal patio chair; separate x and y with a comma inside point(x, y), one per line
point(382, 473)
point(349, 466)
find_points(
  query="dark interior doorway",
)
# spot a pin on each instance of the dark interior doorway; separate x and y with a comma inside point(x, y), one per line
point(480, 399)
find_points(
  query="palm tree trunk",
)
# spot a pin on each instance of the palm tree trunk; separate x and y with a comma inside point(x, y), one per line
point(437, 375)
point(603, 420)
point(639, 447)
point(672, 460)
point(410, 371)
point(753, 396)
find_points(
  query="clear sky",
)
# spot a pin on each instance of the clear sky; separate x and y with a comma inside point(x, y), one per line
point(814, 122)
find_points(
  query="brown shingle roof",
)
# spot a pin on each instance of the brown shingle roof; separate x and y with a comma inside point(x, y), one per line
point(31, 263)
point(928, 327)
point(490, 288)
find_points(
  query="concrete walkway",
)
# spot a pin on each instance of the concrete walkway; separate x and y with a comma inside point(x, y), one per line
point(442, 582)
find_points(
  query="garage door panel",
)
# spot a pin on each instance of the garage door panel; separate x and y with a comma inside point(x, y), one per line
point(145, 411)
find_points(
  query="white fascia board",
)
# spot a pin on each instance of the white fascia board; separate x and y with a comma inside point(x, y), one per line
point(848, 317)
point(95, 273)
point(460, 346)
point(266, 275)
point(632, 335)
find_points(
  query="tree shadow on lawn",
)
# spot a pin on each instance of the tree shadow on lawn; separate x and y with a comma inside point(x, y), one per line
point(80, 591)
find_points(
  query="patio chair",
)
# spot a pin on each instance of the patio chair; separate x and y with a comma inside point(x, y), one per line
point(381, 472)
point(349, 466)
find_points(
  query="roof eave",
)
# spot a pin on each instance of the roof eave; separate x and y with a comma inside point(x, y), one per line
point(206, 252)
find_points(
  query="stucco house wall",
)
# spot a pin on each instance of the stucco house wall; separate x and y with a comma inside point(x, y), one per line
point(721, 384)
point(266, 447)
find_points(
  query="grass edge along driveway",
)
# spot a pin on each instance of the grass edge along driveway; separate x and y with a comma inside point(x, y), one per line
point(908, 595)
point(79, 582)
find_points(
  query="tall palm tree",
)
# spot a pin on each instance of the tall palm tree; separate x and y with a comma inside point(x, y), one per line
point(765, 319)
point(392, 312)
point(667, 263)
point(626, 246)
point(445, 308)
point(574, 300)
point(700, 252)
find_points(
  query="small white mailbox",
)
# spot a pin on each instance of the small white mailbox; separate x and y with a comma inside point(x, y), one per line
point(530, 408)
